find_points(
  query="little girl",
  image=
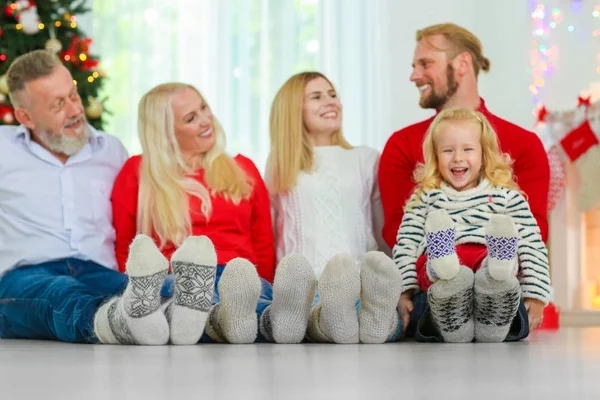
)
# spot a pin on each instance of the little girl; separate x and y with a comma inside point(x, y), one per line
point(467, 214)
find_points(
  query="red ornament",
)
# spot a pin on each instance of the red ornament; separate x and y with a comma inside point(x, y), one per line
point(584, 101)
point(89, 64)
point(542, 114)
point(76, 48)
point(6, 114)
point(10, 10)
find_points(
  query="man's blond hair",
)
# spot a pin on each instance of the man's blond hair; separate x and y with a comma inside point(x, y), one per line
point(26, 68)
point(461, 40)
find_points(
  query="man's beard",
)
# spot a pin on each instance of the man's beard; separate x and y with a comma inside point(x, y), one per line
point(63, 144)
point(438, 101)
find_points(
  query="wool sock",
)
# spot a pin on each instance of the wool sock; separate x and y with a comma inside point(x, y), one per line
point(334, 318)
point(135, 317)
point(496, 305)
point(286, 319)
point(451, 303)
point(194, 266)
point(381, 286)
point(502, 238)
point(442, 261)
point(234, 319)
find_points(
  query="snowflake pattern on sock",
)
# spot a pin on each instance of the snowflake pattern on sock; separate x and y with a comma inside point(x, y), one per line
point(118, 324)
point(145, 294)
point(453, 312)
point(497, 310)
point(194, 285)
point(501, 248)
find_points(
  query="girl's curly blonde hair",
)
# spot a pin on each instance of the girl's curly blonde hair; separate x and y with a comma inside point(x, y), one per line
point(496, 166)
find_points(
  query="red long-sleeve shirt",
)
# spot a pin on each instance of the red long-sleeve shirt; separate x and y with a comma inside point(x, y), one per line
point(242, 230)
point(404, 149)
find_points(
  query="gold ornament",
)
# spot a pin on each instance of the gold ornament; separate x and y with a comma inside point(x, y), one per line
point(2, 98)
point(54, 45)
point(94, 109)
point(3, 84)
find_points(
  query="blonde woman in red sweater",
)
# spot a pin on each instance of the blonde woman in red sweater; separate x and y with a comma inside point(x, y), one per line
point(186, 200)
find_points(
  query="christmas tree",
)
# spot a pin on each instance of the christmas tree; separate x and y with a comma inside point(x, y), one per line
point(27, 25)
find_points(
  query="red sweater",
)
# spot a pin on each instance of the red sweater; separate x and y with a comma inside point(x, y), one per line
point(404, 149)
point(242, 230)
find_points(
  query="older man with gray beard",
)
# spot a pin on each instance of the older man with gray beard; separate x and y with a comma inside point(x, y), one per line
point(57, 255)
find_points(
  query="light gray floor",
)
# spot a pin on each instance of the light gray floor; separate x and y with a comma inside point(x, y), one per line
point(549, 365)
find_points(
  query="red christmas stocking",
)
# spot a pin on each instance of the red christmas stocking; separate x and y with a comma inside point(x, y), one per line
point(582, 148)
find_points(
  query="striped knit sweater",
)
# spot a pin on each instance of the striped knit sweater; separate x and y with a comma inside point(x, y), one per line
point(471, 210)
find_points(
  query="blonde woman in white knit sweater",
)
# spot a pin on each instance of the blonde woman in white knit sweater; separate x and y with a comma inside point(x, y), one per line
point(326, 208)
point(467, 214)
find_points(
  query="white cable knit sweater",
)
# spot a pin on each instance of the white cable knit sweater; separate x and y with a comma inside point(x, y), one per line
point(471, 211)
point(335, 209)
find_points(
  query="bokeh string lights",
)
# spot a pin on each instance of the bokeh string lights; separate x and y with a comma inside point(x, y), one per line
point(548, 18)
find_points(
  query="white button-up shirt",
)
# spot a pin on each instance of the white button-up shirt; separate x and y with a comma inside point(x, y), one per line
point(50, 210)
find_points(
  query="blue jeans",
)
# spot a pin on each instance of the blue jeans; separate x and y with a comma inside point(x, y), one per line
point(422, 326)
point(56, 300)
point(265, 299)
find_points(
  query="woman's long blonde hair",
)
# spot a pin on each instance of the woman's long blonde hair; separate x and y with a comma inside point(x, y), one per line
point(496, 166)
point(291, 151)
point(166, 182)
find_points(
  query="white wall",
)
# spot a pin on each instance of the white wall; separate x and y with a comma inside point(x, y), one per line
point(505, 87)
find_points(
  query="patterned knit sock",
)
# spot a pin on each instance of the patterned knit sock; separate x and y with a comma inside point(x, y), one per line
point(194, 266)
point(501, 237)
point(381, 285)
point(286, 319)
point(136, 317)
point(442, 261)
point(233, 319)
point(335, 318)
point(496, 305)
point(451, 303)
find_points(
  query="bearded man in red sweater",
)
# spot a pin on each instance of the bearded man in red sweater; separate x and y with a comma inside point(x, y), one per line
point(446, 64)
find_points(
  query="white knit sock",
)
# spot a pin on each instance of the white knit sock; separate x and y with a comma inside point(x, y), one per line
point(451, 303)
point(194, 266)
point(381, 285)
point(501, 237)
point(136, 317)
point(496, 305)
point(334, 318)
point(286, 319)
point(442, 261)
point(234, 318)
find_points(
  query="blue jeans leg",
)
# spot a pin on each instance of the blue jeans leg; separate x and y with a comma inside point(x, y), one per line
point(46, 302)
point(105, 281)
point(265, 299)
